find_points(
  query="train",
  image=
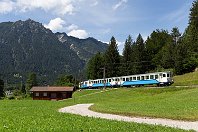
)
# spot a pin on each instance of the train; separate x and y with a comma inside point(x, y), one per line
point(158, 78)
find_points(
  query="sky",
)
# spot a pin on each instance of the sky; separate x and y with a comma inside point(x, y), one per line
point(101, 19)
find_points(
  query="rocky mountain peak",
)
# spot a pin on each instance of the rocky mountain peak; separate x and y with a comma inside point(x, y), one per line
point(29, 25)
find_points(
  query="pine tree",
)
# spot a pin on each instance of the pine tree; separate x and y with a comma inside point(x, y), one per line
point(127, 55)
point(186, 59)
point(175, 35)
point(1, 88)
point(193, 27)
point(94, 67)
point(23, 90)
point(154, 48)
point(139, 56)
point(31, 81)
point(168, 50)
point(112, 59)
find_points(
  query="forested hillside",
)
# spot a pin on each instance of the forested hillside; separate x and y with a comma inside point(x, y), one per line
point(162, 50)
point(27, 46)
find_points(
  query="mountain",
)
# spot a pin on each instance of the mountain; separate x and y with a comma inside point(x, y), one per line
point(27, 46)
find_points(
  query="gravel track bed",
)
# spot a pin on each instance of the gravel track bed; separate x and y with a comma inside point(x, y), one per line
point(83, 110)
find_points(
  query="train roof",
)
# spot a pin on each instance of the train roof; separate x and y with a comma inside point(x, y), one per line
point(132, 75)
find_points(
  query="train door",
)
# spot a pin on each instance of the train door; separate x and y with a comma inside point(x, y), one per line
point(160, 77)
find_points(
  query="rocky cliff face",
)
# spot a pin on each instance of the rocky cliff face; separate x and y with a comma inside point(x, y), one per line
point(27, 46)
point(84, 48)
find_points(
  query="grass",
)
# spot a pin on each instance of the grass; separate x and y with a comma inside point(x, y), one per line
point(32, 115)
point(172, 103)
point(186, 79)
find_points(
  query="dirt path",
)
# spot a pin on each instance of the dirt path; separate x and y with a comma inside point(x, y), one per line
point(82, 109)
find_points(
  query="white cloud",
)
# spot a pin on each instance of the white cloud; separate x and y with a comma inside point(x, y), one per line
point(95, 3)
point(119, 4)
point(73, 30)
point(6, 6)
point(72, 27)
point(120, 46)
point(60, 7)
point(55, 24)
point(82, 34)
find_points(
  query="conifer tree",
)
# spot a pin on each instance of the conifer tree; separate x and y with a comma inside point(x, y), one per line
point(94, 67)
point(175, 35)
point(168, 50)
point(31, 81)
point(1, 88)
point(193, 27)
point(112, 59)
point(127, 56)
point(154, 45)
point(186, 59)
point(139, 56)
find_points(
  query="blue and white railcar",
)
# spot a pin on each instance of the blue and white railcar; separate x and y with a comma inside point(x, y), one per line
point(159, 78)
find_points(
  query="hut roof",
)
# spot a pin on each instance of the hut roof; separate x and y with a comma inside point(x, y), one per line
point(51, 89)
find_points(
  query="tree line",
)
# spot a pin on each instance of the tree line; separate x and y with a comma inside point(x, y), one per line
point(22, 90)
point(162, 50)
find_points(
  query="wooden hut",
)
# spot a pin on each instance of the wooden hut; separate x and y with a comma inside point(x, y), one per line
point(51, 93)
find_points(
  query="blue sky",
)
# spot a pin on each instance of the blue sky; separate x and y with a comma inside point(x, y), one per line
point(100, 19)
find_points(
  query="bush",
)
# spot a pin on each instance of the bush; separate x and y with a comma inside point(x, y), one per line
point(11, 97)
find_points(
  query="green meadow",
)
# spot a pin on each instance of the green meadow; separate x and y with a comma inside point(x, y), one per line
point(186, 79)
point(32, 115)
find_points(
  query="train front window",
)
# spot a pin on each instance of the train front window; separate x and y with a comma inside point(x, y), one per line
point(164, 75)
point(109, 80)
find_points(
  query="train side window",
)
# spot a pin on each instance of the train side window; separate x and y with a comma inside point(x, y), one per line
point(138, 78)
point(142, 77)
point(156, 76)
point(164, 75)
point(168, 75)
point(151, 77)
point(127, 79)
point(134, 78)
point(147, 77)
point(131, 79)
point(109, 80)
point(123, 79)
